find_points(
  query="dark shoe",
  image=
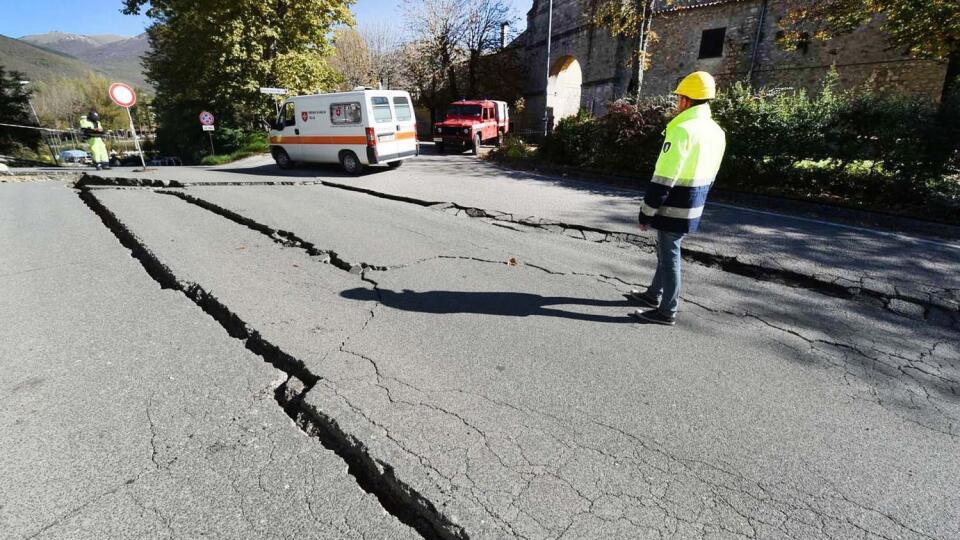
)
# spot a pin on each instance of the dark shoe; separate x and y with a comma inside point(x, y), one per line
point(654, 316)
point(644, 299)
point(97, 166)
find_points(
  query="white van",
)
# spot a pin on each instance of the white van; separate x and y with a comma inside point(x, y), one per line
point(356, 129)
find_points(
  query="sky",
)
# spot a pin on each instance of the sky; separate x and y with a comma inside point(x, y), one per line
point(19, 18)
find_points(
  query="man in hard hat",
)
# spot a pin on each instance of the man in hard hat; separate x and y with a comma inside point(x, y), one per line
point(90, 125)
point(688, 163)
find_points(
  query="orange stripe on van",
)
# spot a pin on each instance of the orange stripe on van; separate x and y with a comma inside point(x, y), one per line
point(404, 135)
point(309, 139)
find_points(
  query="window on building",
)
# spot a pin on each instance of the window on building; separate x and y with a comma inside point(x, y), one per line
point(711, 43)
point(345, 113)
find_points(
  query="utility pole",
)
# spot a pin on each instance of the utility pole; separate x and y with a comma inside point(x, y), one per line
point(546, 87)
point(43, 134)
point(645, 22)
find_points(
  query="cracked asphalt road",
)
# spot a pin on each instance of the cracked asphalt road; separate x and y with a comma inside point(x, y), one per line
point(128, 412)
point(919, 271)
point(452, 377)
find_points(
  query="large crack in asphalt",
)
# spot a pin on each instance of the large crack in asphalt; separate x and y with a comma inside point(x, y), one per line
point(940, 313)
point(930, 310)
point(372, 475)
point(885, 364)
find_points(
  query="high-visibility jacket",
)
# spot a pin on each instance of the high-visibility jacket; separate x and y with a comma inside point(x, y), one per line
point(688, 164)
point(98, 150)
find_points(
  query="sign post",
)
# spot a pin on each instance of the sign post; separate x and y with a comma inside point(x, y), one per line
point(274, 92)
point(206, 121)
point(124, 96)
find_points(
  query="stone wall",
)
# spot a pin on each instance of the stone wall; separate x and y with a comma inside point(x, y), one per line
point(602, 58)
point(859, 57)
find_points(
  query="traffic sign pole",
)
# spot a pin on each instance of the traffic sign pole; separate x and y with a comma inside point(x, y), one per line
point(206, 123)
point(136, 139)
point(124, 96)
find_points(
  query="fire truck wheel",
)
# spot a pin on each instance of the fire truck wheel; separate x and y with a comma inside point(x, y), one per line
point(282, 158)
point(350, 163)
point(476, 144)
point(440, 148)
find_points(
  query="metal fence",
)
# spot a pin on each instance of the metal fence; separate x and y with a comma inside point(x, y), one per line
point(119, 143)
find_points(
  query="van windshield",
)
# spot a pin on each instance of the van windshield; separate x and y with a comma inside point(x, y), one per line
point(464, 110)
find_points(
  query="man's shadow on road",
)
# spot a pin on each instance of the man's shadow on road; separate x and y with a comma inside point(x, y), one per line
point(504, 304)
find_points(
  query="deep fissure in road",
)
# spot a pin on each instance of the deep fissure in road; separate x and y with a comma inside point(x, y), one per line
point(372, 475)
point(931, 312)
point(289, 239)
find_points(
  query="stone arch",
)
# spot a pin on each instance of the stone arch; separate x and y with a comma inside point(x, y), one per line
point(564, 87)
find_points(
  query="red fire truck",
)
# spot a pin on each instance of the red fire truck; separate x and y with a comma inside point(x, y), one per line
point(472, 123)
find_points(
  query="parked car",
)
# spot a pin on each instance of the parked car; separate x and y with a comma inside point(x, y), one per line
point(356, 129)
point(472, 123)
point(74, 156)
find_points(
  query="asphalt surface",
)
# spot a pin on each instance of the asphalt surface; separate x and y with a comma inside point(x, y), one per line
point(916, 270)
point(128, 412)
point(479, 376)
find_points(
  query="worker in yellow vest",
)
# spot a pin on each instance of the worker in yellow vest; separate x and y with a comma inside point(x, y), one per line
point(90, 126)
point(689, 161)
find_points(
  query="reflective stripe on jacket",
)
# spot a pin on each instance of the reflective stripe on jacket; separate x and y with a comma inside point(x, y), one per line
point(688, 163)
point(89, 128)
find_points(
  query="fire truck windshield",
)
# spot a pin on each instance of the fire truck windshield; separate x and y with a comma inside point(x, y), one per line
point(464, 110)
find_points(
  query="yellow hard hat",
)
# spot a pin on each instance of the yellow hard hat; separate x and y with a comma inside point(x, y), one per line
point(697, 85)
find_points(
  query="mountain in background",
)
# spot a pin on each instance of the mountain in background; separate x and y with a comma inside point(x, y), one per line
point(72, 44)
point(39, 64)
point(44, 56)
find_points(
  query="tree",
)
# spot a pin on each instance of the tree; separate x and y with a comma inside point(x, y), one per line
point(437, 27)
point(630, 19)
point(351, 58)
point(62, 101)
point(384, 45)
point(481, 34)
point(426, 75)
point(15, 109)
point(925, 28)
point(214, 55)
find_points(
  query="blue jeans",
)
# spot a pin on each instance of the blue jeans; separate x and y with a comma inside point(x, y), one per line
point(666, 280)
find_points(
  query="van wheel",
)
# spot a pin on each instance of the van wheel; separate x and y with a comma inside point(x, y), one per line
point(282, 158)
point(350, 163)
point(476, 144)
point(395, 164)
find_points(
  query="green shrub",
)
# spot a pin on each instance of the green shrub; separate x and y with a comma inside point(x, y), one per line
point(513, 148)
point(854, 146)
point(627, 138)
point(571, 142)
point(244, 144)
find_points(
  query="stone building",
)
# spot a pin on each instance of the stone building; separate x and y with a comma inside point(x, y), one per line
point(735, 40)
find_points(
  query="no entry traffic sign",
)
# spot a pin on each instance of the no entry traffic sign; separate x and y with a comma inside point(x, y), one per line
point(123, 95)
point(206, 118)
